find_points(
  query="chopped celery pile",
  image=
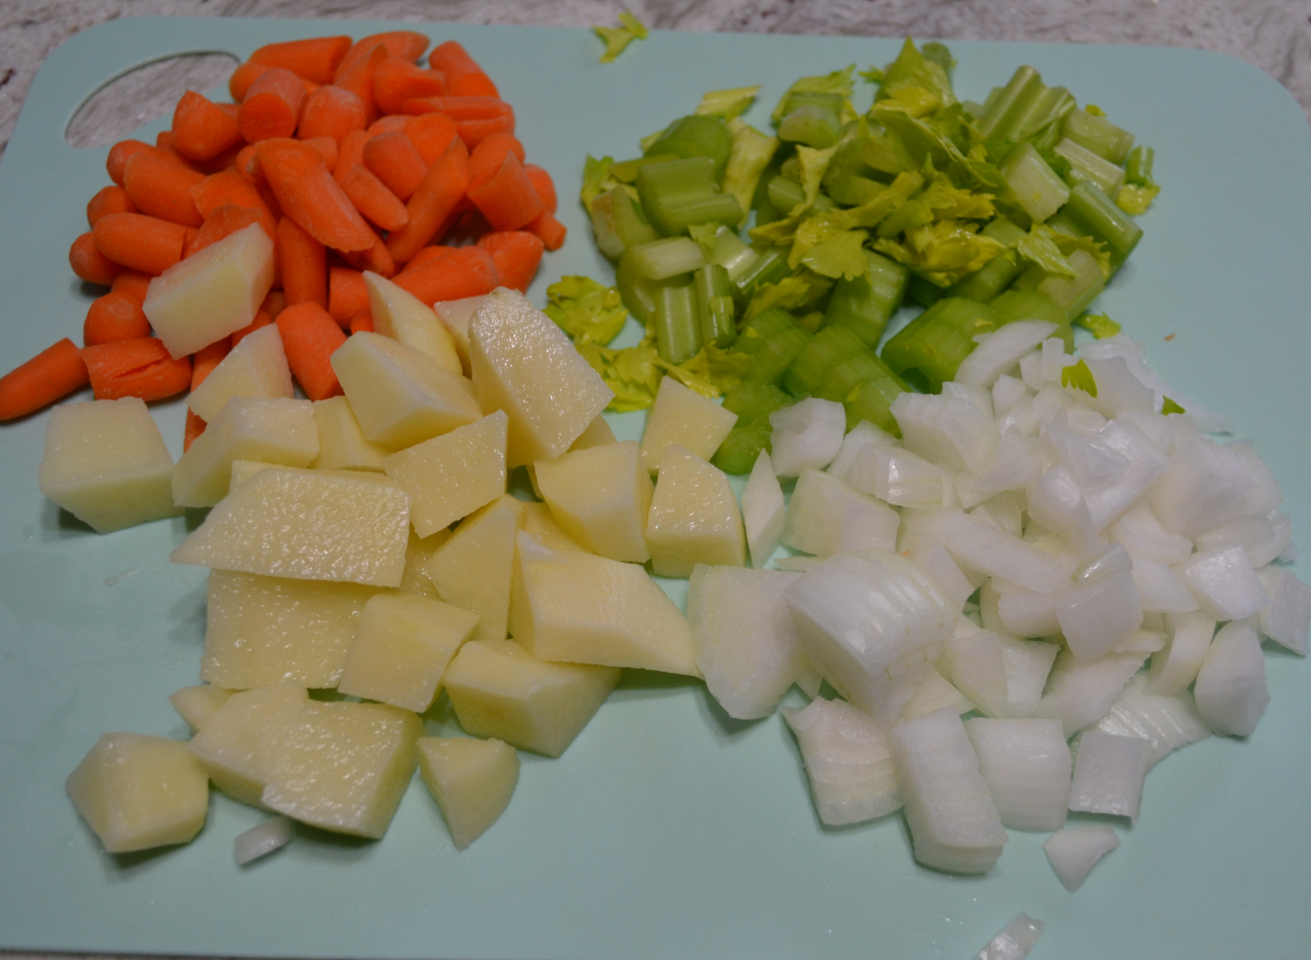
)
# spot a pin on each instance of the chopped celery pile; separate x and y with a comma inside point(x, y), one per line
point(766, 266)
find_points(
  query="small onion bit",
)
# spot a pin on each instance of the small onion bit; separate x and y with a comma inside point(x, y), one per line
point(262, 840)
point(1014, 941)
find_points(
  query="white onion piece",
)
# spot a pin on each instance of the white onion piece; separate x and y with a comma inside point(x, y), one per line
point(1074, 851)
point(950, 431)
point(797, 564)
point(1026, 764)
point(977, 668)
point(1231, 691)
point(1118, 390)
point(979, 396)
point(1166, 723)
point(933, 557)
point(979, 545)
point(825, 516)
point(1264, 538)
point(1286, 617)
point(1015, 465)
point(1160, 588)
point(1121, 345)
point(1031, 371)
point(901, 478)
point(1030, 663)
point(934, 693)
point(1143, 536)
point(1175, 666)
point(763, 510)
point(872, 624)
point(1016, 939)
point(1102, 608)
point(1224, 583)
point(1056, 502)
point(999, 351)
point(1204, 485)
point(1143, 641)
point(1004, 513)
point(1055, 359)
point(262, 840)
point(1079, 692)
point(954, 824)
point(1108, 774)
point(1006, 393)
point(743, 636)
point(862, 435)
point(1026, 613)
point(807, 434)
point(848, 761)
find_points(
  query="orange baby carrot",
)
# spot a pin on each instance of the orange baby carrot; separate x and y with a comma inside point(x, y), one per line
point(507, 198)
point(431, 134)
point(262, 320)
point(551, 230)
point(202, 364)
point(377, 259)
point(331, 112)
point(387, 125)
point(89, 262)
point(395, 160)
point(275, 301)
point(442, 188)
point(396, 81)
point(111, 199)
point(362, 323)
point(222, 222)
point(463, 272)
point(164, 141)
point(475, 117)
point(315, 59)
point(120, 152)
point(358, 79)
point(327, 149)
point(135, 368)
point(516, 254)
point(139, 242)
point(133, 283)
point(463, 76)
point(272, 107)
point(426, 254)
point(486, 158)
point(163, 189)
point(309, 337)
point(115, 316)
point(348, 295)
point(350, 153)
point(398, 44)
point(242, 77)
point(52, 374)
point(307, 193)
point(372, 198)
point(230, 187)
point(219, 162)
point(543, 184)
point(201, 128)
point(304, 265)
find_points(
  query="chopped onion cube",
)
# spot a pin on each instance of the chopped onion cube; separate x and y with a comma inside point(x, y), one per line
point(1027, 766)
point(1074, 851)
point(1175, 666)
point(1017, 938)
point(806, 435)
point(1224, 583)
point(262, 840)
point(1231, 690)
point(1108, 774)
point(825, 516)
point(1165, 722)
point(1079, 692)
point(763, 510)
point(1286, 617)
point(999, 351)
point(848, 761)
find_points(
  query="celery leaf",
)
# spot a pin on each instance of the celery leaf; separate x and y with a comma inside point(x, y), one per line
point(1079, 377)
point(728, 103)
point(1169, 406)
point(617, 39)
point(586, 310)
point(1099, 325)
point(839, 256)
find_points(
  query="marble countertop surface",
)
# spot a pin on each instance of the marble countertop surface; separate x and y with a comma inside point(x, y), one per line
point(1274, 35)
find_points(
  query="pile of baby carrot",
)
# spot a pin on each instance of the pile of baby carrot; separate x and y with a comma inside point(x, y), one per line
point(351, 157)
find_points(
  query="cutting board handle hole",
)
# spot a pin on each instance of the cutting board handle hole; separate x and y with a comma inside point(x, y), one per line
point(148, 91)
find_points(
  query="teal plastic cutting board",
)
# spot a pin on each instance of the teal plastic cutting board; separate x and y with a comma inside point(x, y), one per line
point(666, 830)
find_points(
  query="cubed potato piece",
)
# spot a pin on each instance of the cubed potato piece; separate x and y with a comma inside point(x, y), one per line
point(106, 464)
point(456, 314)
point(418, 552)
point(338, 766)
point(682, 417)
point(266, 630)
point(524, 364)
point(342, 443)
point(401, 396)
point(453, 475)
point(402, 644)
point(401, 315)
point(138, 792)
point(539, 524)
point(694, 517)
point(471, 780)
point(306, 525)
point(473, 569)
point(600, 496)
point(256, 367)
point(598, 432)
point(500, 690)
point(580, 608)
point(215, 292)
point(280, 431)
point(243, 470)
point(197, 704)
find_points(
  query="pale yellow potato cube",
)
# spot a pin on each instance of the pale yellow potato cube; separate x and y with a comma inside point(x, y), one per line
point(307, 525)
point(456, 314)
point(471, 780)
point(212, 293)
point(256, 367)
point(600, 497)
point(598, 432)
point(265, 630)
point(694, 517)
point(342, 443)
point(243, 470)
point(401, 315)
point(279, 430)
point(138, 792)
point(401, 646)
point(524, 364)
point(539, 524)
point(338, 766)
point(453, 475)
point(197, 704)
point(401, 396)
point(580, 608)
point(473, 569)
point(682, 417)
point(500, 690)
point(106, 464)
point(418, 552)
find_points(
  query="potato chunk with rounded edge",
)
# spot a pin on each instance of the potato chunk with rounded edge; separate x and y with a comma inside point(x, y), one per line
point(471, 780)
point(682, 417)
point(452, 475)
point(694, 517)
point(600, 497)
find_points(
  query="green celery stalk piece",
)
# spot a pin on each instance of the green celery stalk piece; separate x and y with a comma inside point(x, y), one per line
point(740, 449)
point(714, 292)
point(617, 223)
point(839, 82)
point(752, 400)
point(677, 323)
point(1086, 165)
point(617, 39)
point(728, 103)
point(1073, 296)
point(1099, 135)
point(872, 402)
point(696, 135)
point(865, 303)
point(815, 361)
point(751, 156)
point(936, 341)
point(667, 257)
point(1035, 186)
point(1099, 325)
point(1013, 305)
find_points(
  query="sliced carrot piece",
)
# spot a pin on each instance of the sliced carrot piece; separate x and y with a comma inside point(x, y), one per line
point(273, 106)
point(442, 188)
point(309, 337)
point(516, 254)
point(139, 242)
point(136, 368)
point(89, 262)
point(202, 129)
point(315, 59)
point(396, 81)
point(507, 198)
point(463, 272)
point(51, 375)
point(395, 160)
point(463, 75)
point(348, 295)
point(162, 189)
point(309, 195)
point(115, 316)
point(332, 112)
point(304, 265)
